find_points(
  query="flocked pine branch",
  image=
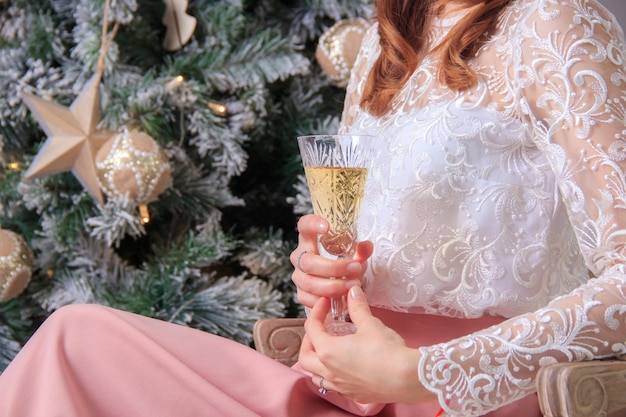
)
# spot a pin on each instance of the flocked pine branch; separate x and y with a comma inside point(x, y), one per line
point(195, 193)
point(230, 307)
point(140, 99)
point(9, 347)
point(215, 253)
point(277, 62)
point(93, 270)
point(117, 220)
point(302, 200)
point(266, 253)
point(15, 328)
point(314, 15)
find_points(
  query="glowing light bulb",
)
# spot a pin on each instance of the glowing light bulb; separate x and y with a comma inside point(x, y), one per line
point(218, 108)
point(144, 214)
point(175, 82)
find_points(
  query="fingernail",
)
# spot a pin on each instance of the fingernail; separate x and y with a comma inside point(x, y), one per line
point(357, 293)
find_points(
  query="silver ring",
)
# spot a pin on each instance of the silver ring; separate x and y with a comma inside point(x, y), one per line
point(298, 260)
point(322, 390)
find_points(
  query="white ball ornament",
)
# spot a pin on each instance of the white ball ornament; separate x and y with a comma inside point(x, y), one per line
point(132, 163)
point(16, 265)
point(338, 47)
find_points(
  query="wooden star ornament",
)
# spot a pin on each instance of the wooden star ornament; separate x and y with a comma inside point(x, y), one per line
point(180, 25)
point(73, 137)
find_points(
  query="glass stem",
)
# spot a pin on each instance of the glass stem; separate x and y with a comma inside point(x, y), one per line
point(338, 309)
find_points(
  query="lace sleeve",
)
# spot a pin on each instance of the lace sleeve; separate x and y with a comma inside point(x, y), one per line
point(367, 53)
point(571, 86)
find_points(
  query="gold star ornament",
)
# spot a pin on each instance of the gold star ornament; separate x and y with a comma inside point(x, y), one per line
point(73, 137)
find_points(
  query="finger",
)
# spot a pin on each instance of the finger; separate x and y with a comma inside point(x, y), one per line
point(308, 359)
point(310, 288)
point(309, 226)
point(319, 282)
point(358, 308)
point(318, 313)
point(322, 382)
point(314, 324)
point(312, 263)
point(363, 251)
point(306, 355)
point(306, 299)
point(306, 347)
point(315, 331)
point(299, 253)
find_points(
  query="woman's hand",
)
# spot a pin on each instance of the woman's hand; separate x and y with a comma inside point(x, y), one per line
point(312, 271)
point(374, 365)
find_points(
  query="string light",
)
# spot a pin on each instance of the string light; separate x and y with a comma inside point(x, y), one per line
point(218, 108)
point(174, 82)
point(144, 214)
point(14, 166)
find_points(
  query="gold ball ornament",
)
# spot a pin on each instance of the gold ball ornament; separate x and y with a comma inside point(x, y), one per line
point(16, 265)
point(132, 163)
point(338, 48)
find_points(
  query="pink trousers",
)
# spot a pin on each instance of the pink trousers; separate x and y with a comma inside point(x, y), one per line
point(93, 361)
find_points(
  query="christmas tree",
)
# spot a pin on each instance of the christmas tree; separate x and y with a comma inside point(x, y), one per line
point(148, 156)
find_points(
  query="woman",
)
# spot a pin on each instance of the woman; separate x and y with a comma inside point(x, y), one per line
point(498, 185)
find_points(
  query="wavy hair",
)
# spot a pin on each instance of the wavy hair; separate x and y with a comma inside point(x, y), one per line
point(403, 31)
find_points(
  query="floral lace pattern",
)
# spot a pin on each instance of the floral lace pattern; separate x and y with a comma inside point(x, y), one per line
point(500, 200)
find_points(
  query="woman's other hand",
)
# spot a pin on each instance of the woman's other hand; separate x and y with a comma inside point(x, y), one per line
point(312, 271)
point(374, 365)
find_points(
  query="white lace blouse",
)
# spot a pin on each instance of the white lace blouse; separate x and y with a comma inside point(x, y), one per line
point(500, 200)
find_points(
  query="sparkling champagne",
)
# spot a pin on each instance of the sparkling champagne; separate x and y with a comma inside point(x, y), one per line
point(336, 194)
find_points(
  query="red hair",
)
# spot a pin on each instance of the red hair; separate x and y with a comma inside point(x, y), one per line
point(402, 28)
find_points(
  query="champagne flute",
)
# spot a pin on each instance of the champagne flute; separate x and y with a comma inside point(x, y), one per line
point(336, 171)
